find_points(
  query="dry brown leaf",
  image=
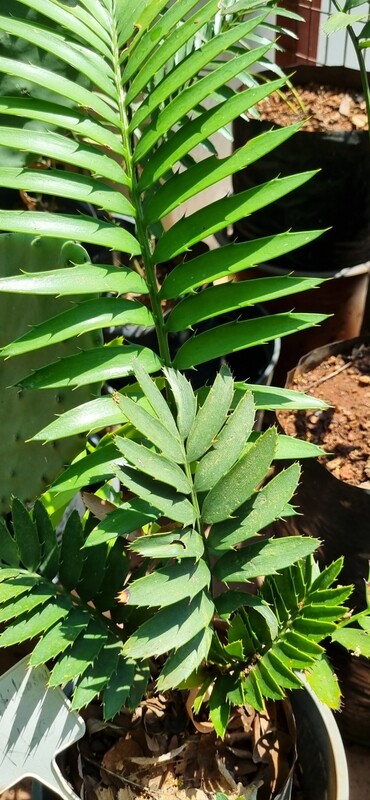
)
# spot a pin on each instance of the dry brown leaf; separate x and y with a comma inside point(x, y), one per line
point(98, 507)
point(121, 752)
point(147, 760)
point(202, 727)
point(125, 794)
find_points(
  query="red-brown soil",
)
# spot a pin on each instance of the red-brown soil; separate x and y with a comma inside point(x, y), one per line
point(343, 429)
point(324, 108)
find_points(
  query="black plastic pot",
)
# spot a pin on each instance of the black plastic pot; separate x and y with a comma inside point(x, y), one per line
point(337, 198)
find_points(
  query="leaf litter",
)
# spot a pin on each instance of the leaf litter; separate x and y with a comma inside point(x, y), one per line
point(156, 752)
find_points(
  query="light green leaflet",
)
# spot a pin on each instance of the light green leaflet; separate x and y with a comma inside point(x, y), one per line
point(211, 416)
point(264, 558)
point(228, 446)
point(172, 504)
point(153, 464)
point(80, 279)
point(87, 316)
point(257, 512)
point(241, 481)
point(90, 366)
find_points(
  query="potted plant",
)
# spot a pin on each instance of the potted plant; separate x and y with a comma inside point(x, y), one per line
point(155, 602)
point(142, 114)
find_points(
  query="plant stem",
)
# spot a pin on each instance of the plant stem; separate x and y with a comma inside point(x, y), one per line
point(141, 229)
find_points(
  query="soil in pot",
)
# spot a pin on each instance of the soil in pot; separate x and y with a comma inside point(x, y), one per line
point(343, 429)
point(157, 751)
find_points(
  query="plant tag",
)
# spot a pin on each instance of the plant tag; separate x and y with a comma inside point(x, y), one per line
point(36, 723)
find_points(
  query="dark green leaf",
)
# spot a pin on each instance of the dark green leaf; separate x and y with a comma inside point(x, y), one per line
point(186, 403)
point(97, 675)
point(171, 503)
point(263, 558)
point(153, 464)
point(92, 573)
point(328, 575)
point(252, 691)
point(258, 512)
point(49, 546)
point(155, 398)
point(8, 547)
point(61, 636)
point(26, 536)
point(30, 626)
point(92, 468)
point(267, 682)
point(129, 517)
point(228, 260)
point(218, 215)
point(91, 366)
point(139, 685)
point(13, 585)
point(87, 316)
point(233, 336)
point(118, 688)
point(152, 428)
point(186, 543)
point(185, 660)
point(170, 627)
point(174, 40)
point(116, 569)
point(81, 279)
point(197, 130)
point(279, 670)
point(71, 557)
point(169, 584)
point(231, 296)
point(184, 185)
point(38, 596)
point(81, 654)
point(231, 600)
point(228, 445)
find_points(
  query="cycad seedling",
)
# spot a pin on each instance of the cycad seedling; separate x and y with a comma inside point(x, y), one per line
point(200, 498)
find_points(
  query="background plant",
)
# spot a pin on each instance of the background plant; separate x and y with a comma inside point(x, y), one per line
point(344, 17)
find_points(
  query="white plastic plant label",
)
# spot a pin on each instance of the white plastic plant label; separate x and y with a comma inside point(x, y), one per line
point(36, 723)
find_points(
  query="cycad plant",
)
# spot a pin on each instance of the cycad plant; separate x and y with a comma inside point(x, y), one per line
point(132, 138)
point(150, 591)
point(181, 475)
